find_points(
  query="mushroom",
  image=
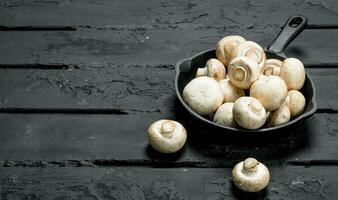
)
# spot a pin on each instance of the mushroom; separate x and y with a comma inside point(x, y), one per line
point(213, 68)
point(293, 73)
point(271, 91)
point(201, 72)
point(223, 115)
point(225, 46)
point(279, 116)
point(230, 92)
point(249, 113)
point(251, 175)
point(203, 95)
point(243, 72)
point(251, 50)
point(295, 101)
point(167, 136)
point(272, 67)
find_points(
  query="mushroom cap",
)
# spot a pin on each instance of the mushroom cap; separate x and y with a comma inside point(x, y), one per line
point(167, 136)
point(293, 73)
point(272, 67)
point(251, 175)
point(203, 95)
point(249, 113)
point(279, 116)
point(230, 92)
point(251, 50)
point(215, 69)
point(243, 72)
point(223, 115)
point(225, 46)
point(271, 91)
point(295, 101)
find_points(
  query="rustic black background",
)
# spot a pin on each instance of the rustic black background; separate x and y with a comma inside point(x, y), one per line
point(81, 80)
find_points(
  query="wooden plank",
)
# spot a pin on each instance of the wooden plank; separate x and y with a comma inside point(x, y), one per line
point(148, 46)
point(150, 183)
point(106, 139)
point(97, 13)
point(127, 88)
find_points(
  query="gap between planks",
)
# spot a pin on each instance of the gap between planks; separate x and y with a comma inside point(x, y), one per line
point(102, 111)
point(108, 27)
point(61, 66)
point(151, 163)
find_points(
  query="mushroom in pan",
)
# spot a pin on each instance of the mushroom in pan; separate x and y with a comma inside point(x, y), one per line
point(223, 115)
point(272, 67)
point(249, 113)
point(230, 92)
point(251, 50)
point(293, 73)
point(251, 175)
point(295, 101)
point(213, 68)
point(203, 95)
point(279, 116)
point(271, 91)
point(167, 136)
point(243, 71)
point(225, 46)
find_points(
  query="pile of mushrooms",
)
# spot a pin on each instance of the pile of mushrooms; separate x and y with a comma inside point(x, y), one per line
point(241, 67)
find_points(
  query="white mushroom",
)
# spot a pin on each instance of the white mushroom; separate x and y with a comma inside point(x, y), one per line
point(214, 69)
point(230, 92)
point(167, 136)
point(225, 46)
point(223, 115)
point(279, 116)
point(272, 67)
point(201, 72)
point(251, 175)
point(293, 73)
point(203, 95)
point(249, 113)
point(295, 101)
point(251, 50)
point(243, 72)
point(270, 91)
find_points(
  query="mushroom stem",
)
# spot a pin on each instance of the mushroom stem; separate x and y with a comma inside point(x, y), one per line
point(250, 165)
point(167, 129)
point(201, 72)
point(239, 73)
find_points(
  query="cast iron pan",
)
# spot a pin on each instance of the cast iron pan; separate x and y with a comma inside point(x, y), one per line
point(186, 70)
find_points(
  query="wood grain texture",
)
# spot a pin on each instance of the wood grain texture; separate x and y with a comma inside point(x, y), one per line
point(128, 88)
point(149, 46)
point(146, 183)
point(98, 13)
point(121, 140)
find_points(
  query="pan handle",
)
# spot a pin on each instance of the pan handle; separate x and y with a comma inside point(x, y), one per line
point(293, 27)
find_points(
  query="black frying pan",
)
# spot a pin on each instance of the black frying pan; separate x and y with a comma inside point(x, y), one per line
point(186, 70)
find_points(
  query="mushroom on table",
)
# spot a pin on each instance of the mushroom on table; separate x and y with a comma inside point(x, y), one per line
point(167, 136)
point(251, 175)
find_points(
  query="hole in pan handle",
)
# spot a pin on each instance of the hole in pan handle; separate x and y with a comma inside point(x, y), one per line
point(292, 28)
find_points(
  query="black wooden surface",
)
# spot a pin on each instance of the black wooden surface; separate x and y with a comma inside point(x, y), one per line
point(80, 81)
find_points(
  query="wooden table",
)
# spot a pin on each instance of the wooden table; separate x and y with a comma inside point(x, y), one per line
point(80, 81)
